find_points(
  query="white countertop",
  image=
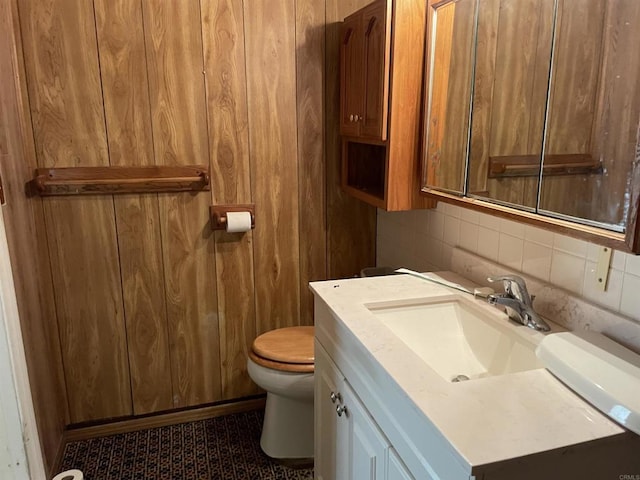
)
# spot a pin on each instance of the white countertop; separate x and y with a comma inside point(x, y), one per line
point(485, 420)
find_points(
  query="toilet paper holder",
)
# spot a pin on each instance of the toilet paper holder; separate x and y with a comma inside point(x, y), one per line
point(219, 214)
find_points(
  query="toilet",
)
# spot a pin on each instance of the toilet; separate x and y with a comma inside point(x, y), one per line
point(282, 362)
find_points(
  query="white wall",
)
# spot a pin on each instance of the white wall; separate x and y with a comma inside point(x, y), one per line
point(19, 440)
point(423, 240)
point(13, 459)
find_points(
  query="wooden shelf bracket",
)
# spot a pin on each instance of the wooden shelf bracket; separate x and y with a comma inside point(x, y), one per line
point(114, 180)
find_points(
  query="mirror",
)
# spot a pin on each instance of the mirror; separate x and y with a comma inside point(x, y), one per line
point(533, 111)
point(452, 34)
point(510, 96)
point(594, 111)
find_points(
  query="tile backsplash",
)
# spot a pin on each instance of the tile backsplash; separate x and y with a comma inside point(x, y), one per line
point(424, 240)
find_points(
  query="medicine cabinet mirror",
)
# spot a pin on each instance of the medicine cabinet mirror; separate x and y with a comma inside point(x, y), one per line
point(533, 112)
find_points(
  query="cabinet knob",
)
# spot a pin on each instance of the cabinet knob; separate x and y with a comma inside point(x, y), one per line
point(340, 409)
point(351, 118)
point(335, 397)
point(358, 118)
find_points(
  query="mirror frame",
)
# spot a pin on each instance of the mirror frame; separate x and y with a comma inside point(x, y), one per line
point(626, 242)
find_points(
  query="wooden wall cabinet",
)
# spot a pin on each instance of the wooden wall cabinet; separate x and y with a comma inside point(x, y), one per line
point(381, 57)
point(364, 66)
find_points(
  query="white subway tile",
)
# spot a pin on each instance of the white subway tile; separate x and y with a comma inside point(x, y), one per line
point(632, 265)
point(630, 303)
point(538, 235)
point(619, 260)
point(570, 245)
point(383, 214)
point(567, 271)
point(452, 210)
point(617, 257)
point(593, 252)
point(468, 236)
point(488, 243)
point(421, 264)
point(404, 243)
point(447, 255)
point(536, 260)
point(515, 229)
point(436, 225)
point(489, 221)
point(405, 219)
point(510, 251)
point(422, 220)
point(451, 230)
point(384, 250)
point(433, 252)
point(469, 215)
point(590, 289)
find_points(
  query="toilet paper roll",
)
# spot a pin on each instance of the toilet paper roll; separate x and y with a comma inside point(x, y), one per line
point(238, 222)
point(69, 475)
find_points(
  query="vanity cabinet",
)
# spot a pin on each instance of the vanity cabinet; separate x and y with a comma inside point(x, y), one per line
point(348, 442)
point(381, 62)
point(381, 412)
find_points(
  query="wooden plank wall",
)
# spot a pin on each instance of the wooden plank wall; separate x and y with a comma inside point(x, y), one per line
point(156, 311)
point(24, 221)
point(351, 224)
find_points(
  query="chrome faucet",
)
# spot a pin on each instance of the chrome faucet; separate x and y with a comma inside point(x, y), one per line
point(517, 302)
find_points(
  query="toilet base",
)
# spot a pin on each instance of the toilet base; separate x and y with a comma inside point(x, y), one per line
point(287, 430)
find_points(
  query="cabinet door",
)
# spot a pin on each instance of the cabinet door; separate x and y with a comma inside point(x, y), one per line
point(368, 446)
point(331, 431)
point(351, 75)
point(396, 469)
point(373, 122)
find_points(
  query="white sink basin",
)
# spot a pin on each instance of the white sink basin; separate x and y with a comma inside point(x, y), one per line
point(459, 339)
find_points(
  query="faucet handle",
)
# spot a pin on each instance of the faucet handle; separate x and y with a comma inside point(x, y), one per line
point(514, 286)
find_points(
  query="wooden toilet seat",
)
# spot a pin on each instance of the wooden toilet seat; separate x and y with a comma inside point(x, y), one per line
point(288, 349)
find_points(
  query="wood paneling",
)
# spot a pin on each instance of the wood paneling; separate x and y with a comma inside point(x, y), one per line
point(351, 223)
point(69, 129)
point(237, 84)
point(310, 40)
point(27, 242)
point(224, 58)
point(271, 94)
point(127, 111)
point(164, 420)
point(176, 92)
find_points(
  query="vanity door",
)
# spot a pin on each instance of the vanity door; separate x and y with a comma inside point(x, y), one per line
point(348, 442)
point(331, 455)
point(369, 448)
